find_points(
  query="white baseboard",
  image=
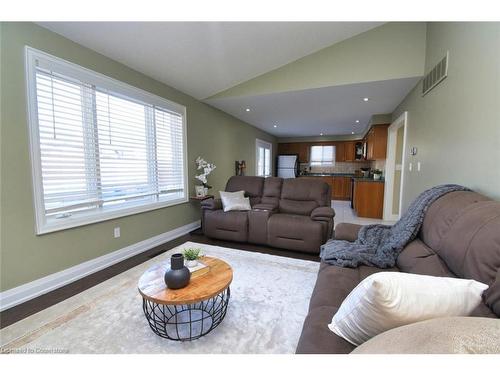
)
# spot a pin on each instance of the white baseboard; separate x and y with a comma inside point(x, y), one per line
point(25, 292)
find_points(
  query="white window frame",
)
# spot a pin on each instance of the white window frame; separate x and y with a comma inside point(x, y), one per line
point(47, 226)
point(323, 163)
point(260, 143)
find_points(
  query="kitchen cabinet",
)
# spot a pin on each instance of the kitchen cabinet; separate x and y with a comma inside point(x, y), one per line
point(376, 142)
point(350, 151)
point(339, 151)
point(368, 200)
point(299, 148)
point(341, 188)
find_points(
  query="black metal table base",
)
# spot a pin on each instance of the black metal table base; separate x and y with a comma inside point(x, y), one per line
point(186, 322)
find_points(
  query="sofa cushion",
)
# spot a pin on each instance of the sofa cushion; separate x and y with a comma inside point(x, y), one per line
point(296, 232)
point(272, 191)
point(418, 258)
point(232, 225)
point(316, 338)
point(252, 185)
point(302, 195)
point(453, 335)
point(471, 248)
point(441, 215)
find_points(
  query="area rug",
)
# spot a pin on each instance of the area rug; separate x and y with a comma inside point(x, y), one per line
point(269, 301)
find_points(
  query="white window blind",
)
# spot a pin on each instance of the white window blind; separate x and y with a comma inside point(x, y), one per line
point(100, 151)
point(263, 158)
point(322, 155)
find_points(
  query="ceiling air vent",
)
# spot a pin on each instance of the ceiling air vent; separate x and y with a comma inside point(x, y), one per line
point(436, 75)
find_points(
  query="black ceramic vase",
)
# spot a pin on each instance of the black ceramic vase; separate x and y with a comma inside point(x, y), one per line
point(178, 275)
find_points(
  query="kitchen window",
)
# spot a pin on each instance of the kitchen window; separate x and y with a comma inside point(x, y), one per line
point(322, 156)
point(100, 149)
point(263, 155)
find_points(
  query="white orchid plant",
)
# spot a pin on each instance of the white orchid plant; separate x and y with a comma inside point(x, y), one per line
point(207, 168)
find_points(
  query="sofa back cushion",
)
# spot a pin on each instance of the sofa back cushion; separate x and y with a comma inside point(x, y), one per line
point(302, 195)
point(463, 229)
point(252, 185)
point(272, 190)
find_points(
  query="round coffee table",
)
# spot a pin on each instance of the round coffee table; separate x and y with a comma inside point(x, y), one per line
point(191, 312)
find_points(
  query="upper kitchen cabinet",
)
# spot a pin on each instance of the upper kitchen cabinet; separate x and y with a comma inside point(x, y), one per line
point(300, 148)
point(339, 151)
point(350, 151)
point(376, 142)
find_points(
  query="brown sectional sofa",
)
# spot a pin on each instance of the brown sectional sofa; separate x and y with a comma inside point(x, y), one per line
point(294, 214)
point(460, 237)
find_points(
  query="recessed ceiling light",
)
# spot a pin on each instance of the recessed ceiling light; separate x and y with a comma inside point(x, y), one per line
point(365, 99)
point(352, 132)
point(320, 133)
point(248, 109)
point(275, 126)
point(357, 121)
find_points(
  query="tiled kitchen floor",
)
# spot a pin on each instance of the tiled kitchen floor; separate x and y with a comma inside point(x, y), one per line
point(345, 214)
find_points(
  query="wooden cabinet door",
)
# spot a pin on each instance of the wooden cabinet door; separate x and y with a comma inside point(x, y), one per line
point(379, 142)
point(338, 188)
point(349, 151)
point(339, 151)
point(304, 151)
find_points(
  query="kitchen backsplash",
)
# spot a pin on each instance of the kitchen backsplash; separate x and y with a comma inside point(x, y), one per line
point(339, 167)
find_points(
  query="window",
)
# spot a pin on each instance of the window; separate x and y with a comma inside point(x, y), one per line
point(100, 149)
point(322, 155)
point(263, 154)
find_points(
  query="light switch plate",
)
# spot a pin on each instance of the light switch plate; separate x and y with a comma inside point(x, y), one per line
point(410, 167)
point(116, 232)
point(418, 166)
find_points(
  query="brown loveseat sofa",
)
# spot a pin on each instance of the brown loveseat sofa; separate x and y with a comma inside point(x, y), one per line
point(294, 214)
point(460, 237)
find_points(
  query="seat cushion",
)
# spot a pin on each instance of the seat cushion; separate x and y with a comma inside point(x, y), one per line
point(296, 232)
point(232, 225)
point(316, 338)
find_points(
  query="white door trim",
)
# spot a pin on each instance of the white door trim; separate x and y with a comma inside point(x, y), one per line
point(265, 144)
point(390, 168)
point(25, 292)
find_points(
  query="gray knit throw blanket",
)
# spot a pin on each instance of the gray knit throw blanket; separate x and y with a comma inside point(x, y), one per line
point(379, 245)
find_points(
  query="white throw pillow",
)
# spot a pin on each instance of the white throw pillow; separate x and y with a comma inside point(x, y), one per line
point(234, 201)
point(387, 300)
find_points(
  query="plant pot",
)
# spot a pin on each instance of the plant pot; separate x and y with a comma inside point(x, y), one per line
point(200, 191)
point(377, 176)
point(205, 191)
point(178, 275)
point(191, 263)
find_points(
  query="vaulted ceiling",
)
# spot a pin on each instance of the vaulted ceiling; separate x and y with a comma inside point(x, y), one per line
point(295, 78)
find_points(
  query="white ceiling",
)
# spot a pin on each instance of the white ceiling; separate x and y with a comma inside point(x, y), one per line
point(204, 58)
point(330, 110)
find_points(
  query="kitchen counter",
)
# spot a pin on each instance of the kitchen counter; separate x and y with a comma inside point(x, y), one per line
point(327, 174)
point(367, 179)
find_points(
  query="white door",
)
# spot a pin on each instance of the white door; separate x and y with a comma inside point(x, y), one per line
point(263, 158)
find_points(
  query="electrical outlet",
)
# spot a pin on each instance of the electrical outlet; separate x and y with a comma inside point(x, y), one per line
point(116, 232)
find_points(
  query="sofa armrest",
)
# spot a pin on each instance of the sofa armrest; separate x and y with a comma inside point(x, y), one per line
point(265, 207)
point(211, 204)
point(322, 214)
point(347, 231)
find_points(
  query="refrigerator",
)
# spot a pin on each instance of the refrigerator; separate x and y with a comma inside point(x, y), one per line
point(287, 166)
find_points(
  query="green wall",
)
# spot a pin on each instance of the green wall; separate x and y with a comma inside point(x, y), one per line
point(213, 134)
point(456, 126)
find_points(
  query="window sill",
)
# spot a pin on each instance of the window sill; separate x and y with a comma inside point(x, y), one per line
point(55, 225)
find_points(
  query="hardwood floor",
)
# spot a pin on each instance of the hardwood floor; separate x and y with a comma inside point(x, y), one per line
point(42, 302)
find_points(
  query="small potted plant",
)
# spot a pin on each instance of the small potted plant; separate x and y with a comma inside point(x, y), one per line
point(192, 255)
point(377, 174)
